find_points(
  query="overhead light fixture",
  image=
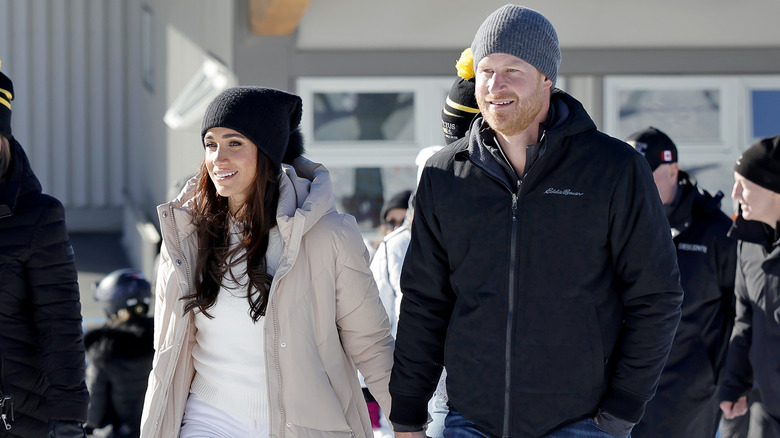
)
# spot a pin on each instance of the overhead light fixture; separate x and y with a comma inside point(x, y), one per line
point(205, 85)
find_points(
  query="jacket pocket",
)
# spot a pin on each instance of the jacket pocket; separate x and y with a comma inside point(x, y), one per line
point(558, 347)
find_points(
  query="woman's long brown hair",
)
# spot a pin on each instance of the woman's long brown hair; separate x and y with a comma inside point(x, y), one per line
point(215, 258)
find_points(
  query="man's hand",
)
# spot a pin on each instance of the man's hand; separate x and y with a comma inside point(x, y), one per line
point(418, 434)
point(732, 410)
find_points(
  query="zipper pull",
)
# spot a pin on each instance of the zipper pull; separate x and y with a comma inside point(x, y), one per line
point(5, 423)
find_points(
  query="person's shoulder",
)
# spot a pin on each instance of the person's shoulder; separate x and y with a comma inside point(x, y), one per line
point(334, 226)
point(708, 207)
point(611, 145)
point(41, 200)
point(602, 149)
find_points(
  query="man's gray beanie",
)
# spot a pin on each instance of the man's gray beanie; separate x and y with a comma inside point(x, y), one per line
point(522, 32)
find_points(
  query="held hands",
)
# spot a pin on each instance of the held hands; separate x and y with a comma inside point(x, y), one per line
point(66, 429)
point(735, 409)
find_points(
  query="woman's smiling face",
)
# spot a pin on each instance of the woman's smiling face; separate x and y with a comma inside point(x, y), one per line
point(758, 203)
point(231, 160)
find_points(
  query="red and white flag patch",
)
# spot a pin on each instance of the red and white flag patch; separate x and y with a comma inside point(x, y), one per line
point(667, 156)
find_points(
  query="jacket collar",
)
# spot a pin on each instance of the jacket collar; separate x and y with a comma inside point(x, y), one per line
point(689, 196)
point(566, 117)
point(755, 232)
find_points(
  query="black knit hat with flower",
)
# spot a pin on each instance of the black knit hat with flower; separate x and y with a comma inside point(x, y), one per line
point(460, 107)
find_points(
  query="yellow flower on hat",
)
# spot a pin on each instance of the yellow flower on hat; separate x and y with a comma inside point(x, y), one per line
point(465, 65)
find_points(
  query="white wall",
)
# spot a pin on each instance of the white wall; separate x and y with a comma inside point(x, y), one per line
point(67, 62)
point(435, 24)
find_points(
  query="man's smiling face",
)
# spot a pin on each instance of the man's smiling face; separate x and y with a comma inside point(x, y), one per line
point(510, 92)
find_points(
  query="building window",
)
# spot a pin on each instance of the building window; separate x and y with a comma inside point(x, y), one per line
point(711, 119)
point(697, 112)
point(371, 116)
point(368, 131)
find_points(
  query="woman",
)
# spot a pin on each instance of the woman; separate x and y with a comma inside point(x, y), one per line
point(42, 390)
point(264, 300)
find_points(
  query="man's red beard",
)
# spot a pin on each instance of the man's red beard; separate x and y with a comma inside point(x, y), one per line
point(515, 122)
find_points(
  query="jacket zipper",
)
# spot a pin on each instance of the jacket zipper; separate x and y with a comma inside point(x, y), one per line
point(282, 416)
point(511, 311)
point(512, 287)
point(275, 320)
point(178, 340)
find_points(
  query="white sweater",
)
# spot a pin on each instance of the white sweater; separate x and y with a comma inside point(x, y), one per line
point(229, 358)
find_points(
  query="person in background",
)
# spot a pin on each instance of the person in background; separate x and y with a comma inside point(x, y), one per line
point(391, 216)
point(265, 307)
point(460, 106)
point(541, 272)
point(686, 402)
point(120, 355)
point(394, 211)
point(42, 372)
point(754, 349)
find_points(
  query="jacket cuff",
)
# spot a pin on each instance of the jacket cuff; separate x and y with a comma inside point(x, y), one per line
point(730, 393)
point(404, 428)
point(408, 411)
point(613, 425)
point(623, 405)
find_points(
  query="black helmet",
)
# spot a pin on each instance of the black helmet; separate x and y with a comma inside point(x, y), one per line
point(124, 289)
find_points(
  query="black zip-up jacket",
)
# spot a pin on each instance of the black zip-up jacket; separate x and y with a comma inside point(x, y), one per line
point(546, 298)
point(685, 403)
point(754, 350)
point(120, 361)
point(42, 361)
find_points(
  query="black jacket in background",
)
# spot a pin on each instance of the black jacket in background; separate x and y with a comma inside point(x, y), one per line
point(557, 295)
point(120, 361)
point(41, 341)
point(754, 351)
point(685, 404)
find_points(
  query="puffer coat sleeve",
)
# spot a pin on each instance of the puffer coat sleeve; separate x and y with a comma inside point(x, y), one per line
point(56, 311)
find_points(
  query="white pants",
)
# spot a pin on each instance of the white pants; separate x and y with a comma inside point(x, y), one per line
point(201, 420)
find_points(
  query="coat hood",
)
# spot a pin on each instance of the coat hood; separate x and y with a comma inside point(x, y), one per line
point(689, 194)
point(755, 232)
point(305, 196)
point(19, 181)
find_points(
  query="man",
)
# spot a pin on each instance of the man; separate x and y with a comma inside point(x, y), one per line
point(753, 354)
point(541, 271)
point(686, 404)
